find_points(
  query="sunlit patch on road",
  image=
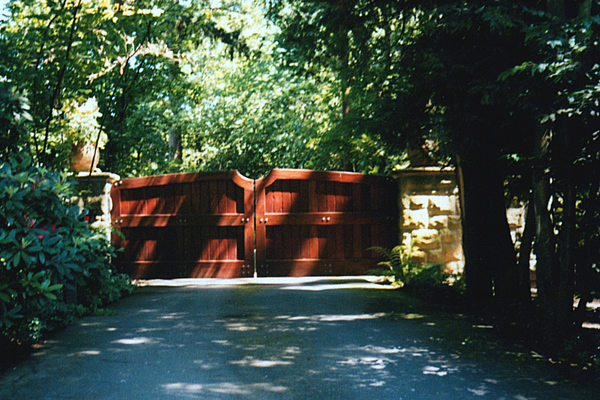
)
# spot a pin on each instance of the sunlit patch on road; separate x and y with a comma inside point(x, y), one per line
point(134, 341)
point(258, 363)
point(225, 388)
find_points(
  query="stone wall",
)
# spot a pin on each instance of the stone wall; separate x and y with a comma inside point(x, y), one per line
point(430, 216)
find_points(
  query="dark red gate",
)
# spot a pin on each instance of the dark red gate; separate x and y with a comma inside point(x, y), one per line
point(289, 223)
point(321, 223)
point(185, 225)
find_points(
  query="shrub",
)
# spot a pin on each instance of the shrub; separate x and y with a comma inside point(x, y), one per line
point(398, 264)
point(46, 250)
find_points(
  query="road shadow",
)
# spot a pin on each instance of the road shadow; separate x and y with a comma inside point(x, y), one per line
point(317, 339)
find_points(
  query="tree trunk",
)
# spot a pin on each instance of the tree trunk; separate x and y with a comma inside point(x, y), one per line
point(490, 261)
point(547, 267)
point(175, 144)
point(524, 278)
point(566, 245)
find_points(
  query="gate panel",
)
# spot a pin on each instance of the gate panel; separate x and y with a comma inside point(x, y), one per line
point(321, 223)
point(185, 225)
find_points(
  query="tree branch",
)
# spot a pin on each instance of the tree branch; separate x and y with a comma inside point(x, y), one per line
point(60, 77)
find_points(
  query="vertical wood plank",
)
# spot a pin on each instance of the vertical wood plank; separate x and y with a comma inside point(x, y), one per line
point(175, 199)
point(222, 243)
point(204, 243)
point(338, 239)
point(347, 244)
point(286, 197)
point(213, 195)
point(148, 201)
point(357, 244)
point(366, 236)
point(240, 244)
point(186, 200)
point(222, 196)
point(313, 198)
point(331, 196)
point(277, 197)
point(195, 198)
point(313, 243)
point(204, 197)
point(269, 243)
point(126, 202)
point(232, 242)
point(294, 188)
point(239, 200)
point(195, 250)
point(182, 244)
point(231, 198)
point(287, 242)
point(366, 198)
point(338, 195)
point(161, 198)
point(214, 243)
point(321, 196)
point(357, 198)
point(346, 198)
point(269, 199)
point(322, 236)
point(296, 242)
point(277, 250)
point(303, 197)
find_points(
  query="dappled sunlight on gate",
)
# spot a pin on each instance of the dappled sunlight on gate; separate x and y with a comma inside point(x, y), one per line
point(317, 223)
point(194, 225)
point(206, 224)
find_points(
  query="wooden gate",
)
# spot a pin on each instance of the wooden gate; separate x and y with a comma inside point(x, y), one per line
point(289, 223)
point(321, 223)
point(185, 225)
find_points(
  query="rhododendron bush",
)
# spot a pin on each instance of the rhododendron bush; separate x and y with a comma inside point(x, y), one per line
point(53, 265)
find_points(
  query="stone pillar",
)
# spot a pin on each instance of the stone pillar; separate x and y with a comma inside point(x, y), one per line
point(94, 195)
point(430, 216)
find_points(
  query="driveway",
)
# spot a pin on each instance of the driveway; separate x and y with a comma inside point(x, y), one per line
point(289, 339)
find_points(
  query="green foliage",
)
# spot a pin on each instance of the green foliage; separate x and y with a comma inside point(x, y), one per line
point(14, 116)
point(46, 250)
point(82, 124)
point(255, 117)
point(180, 87)
point(370, 47)
point(398, 265)
point(64, 53)
point(239, 106)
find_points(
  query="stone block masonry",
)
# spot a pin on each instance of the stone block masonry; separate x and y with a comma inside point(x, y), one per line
point(94, 195)
point(430, 216)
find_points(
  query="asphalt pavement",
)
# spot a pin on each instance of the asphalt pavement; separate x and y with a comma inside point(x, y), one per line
point(345, 338)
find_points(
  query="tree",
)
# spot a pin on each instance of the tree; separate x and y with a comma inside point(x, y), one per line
point(70, 51)
point(411, 73)
point(564, 151)
point(493, 82)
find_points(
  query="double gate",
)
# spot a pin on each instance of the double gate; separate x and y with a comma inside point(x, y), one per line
point(222, 224)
